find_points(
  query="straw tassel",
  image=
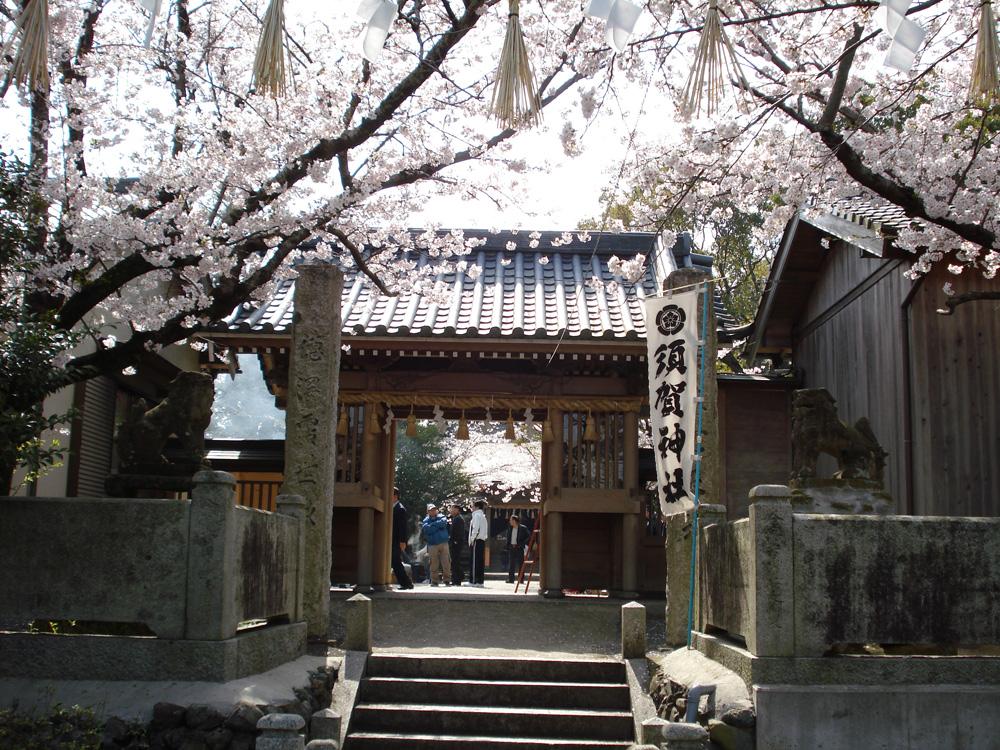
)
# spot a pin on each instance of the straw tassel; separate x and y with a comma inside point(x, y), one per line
point(31, 60)
point(515, 98)
point(269, 64)
point(509, 432)
point(411, 425)
point(714, 63)
point(985, 84)
point(342, 423)
point(590, 431)
point(463, 428)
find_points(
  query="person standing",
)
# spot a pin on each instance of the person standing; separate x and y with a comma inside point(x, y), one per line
point(456, 539)
point(517, 543)
point(435, 529)
point(478, 534)
point(399, 537)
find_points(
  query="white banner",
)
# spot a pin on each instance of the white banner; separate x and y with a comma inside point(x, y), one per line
point(672, 353)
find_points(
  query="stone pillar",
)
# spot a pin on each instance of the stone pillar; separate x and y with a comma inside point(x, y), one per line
point(630, 521)
point(281, 732)
point(551, 575)
point(633, 631)
point(772, 594)
point(212, 614)
point(359, 623)
point(295, 506)
point(366, 548)
point(311, 424)
point(678, 551)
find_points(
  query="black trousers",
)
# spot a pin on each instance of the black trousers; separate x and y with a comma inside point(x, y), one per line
point(397, 567)
point(515, 556)
point(455, 548)
point(478, 573)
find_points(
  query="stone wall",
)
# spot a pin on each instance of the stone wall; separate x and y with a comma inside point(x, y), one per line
point(801, 584)
point(191, 571)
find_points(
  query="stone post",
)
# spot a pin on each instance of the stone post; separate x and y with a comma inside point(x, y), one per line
point(281, 732)
point(323, 745)
point(211, 560)
point(311, 425)
point(295, 506)
point(772, 618)
point(359, 623)
point(652, 731)
point(678, 550)
point(366, 516)
point(633, 631)
point(325, 725)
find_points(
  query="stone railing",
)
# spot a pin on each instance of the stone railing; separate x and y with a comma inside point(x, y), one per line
point(804, 584)
point(190, 570)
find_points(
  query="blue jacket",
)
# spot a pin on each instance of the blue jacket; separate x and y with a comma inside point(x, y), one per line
point(435, 530)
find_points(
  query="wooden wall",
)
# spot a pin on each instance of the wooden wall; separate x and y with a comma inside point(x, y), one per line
point(850, 341)
point(955, 388)
point(753, 438)
point(345, 545)
point(591, 550)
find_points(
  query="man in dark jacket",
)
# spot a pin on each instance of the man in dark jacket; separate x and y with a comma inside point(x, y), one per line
point(399, 538)
point(517, 542)
point(456, 541)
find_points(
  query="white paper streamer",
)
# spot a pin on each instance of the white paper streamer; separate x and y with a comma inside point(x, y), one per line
point(153, 8)
point(621, 17)
point(379, 16)
point(390, 417)
point(439, 420)
point(906, 35)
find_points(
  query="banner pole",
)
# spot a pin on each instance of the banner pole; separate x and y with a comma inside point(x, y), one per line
point(697, 459)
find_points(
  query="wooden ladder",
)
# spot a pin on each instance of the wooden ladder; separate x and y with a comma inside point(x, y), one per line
point(528, 563)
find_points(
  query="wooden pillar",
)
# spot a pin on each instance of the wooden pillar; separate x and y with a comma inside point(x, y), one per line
point(366, 516)
point(553, 527)
point(383, 521)
point(630, 521)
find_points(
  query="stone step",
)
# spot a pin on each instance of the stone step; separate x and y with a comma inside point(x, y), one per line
point(390, 741)
point(496, 721)
point(495, 667)
point(496, 692)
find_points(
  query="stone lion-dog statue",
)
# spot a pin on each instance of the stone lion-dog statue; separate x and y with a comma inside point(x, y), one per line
point(184, 414)
point(816, 429)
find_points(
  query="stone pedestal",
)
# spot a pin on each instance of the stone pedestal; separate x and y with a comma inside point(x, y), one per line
point(842, 496)
point(633, 631)
point(311, 423)
point(325, 725)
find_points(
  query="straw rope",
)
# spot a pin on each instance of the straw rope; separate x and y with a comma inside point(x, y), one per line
point(269, 64)
point(714, 64)
point(985, 83)
point(515, 97)
point(31, 60)
point(488, 401)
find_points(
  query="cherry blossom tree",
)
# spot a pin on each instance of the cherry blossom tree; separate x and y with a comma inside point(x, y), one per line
point(816, 117)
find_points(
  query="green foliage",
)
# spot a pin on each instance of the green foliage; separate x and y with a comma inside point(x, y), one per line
point(61, 729)
point(741, 258)
point(31, 343)
point(426, 471)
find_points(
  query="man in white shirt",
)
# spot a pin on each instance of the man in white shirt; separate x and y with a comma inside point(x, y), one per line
point(478, 534)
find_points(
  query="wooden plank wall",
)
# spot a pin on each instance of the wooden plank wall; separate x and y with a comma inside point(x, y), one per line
point(850, 341)
point(955, 386)
point(754, 439)
point(591, 550)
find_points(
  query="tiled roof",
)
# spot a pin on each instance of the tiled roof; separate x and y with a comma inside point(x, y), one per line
point(540, 293)
point(873, 213)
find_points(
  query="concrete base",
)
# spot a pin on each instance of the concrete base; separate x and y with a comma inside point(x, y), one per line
point(849, 669)
point(100, 657)
point(848, 717)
